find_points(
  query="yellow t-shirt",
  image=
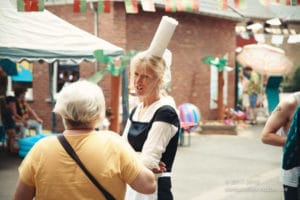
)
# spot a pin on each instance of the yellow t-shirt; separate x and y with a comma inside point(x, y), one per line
point(55, 175)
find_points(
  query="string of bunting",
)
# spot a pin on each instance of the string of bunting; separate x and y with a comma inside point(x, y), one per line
point(113, 66)
point(30, 5)
point(280, 2)
point(131, 6)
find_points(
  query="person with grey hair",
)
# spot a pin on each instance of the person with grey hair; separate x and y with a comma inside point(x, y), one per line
point(153, 126)
point(48, 172)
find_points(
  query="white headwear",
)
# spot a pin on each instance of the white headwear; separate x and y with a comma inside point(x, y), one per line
point(160, 41)
point(162, 36)
point(167, 56)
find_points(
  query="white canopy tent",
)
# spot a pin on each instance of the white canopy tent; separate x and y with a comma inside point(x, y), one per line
point(42, 35)
point(35, 36)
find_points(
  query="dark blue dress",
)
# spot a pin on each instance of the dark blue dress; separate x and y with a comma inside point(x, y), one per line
point(137, 135)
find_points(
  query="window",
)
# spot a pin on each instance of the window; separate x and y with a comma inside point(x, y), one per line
point(63, 73)
point(24, 79)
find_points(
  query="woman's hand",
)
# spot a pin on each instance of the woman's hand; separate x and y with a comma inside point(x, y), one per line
point(162, 168)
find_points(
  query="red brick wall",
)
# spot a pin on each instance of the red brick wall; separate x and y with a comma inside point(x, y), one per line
point(196, 36)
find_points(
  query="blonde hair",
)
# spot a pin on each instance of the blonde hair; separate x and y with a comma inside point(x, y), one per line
point(154, 63)
point(80, 104)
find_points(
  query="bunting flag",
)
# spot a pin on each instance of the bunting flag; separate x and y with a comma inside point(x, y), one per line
point(223, 4)
point(170, 5)
point(79, 6)
point(187, 5)
point(239, 4)
point(30, 5)
point(286, 2)
point(295, 2)
point(179, 5)
point(280, 2)
point(131, 6)
point(196, 5)
point(104, 6)
point(265, 2)
point(148, 5)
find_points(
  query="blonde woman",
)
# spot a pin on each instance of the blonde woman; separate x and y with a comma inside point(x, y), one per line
point(153, 125)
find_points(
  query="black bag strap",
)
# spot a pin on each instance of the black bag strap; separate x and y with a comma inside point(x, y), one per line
point(72, 153)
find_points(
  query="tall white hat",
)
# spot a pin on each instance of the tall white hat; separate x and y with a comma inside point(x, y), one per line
point(162, 36)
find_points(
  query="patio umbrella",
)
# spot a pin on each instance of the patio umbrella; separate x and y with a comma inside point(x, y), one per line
point(265, 59)
point(9, 67)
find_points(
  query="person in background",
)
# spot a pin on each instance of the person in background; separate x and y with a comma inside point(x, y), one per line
point(48, 172)
point(153, 126)
point(245, 97)
point(9, 122)
point(3, 88)
point(275, 133)
point(254, 88)
point(24, 112)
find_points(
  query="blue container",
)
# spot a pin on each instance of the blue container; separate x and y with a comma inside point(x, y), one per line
point(25, 144)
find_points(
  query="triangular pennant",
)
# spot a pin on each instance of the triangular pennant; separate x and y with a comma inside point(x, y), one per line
point(196, 5)
point(41, 5)
point(223, 4)
point(104, 6)
point(33, 5)
point(170, 5)
point(79, 6)
point(295, 2)
point(179, 5)
point(240, 4)
point(148, 5)
point(287, 2)
point(30, 5)
point(20, 5)
point(190, 5)
point(131, 6)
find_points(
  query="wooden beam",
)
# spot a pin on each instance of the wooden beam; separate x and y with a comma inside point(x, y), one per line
point(115, 98)
point(220, 116)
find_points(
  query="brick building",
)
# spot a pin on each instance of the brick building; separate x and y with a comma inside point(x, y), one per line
point(197, 36)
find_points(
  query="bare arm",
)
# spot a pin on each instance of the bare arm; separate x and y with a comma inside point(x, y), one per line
point(145, 182)
point(24, 192)
point(279, 118)
point(17, 117)
point(30, 110)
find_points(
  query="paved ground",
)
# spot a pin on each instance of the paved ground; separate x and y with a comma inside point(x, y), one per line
point(214, 167)
point(224, 167)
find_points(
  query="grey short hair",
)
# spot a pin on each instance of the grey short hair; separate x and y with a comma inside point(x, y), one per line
point(80, 103)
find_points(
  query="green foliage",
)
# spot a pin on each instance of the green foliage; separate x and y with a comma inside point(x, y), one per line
point(212, 61)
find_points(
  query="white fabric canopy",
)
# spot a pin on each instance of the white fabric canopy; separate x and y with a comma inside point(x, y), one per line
point(42, 35)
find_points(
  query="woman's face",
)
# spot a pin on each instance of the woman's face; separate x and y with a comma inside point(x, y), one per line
point(145, 81)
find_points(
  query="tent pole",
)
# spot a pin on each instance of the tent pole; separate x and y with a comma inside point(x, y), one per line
point(53, 116)
point(94, 7)
point(125, 103)
point(115, 98)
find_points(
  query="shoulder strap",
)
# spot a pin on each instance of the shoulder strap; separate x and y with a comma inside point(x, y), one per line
point(132, 112)
point(72, 153)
